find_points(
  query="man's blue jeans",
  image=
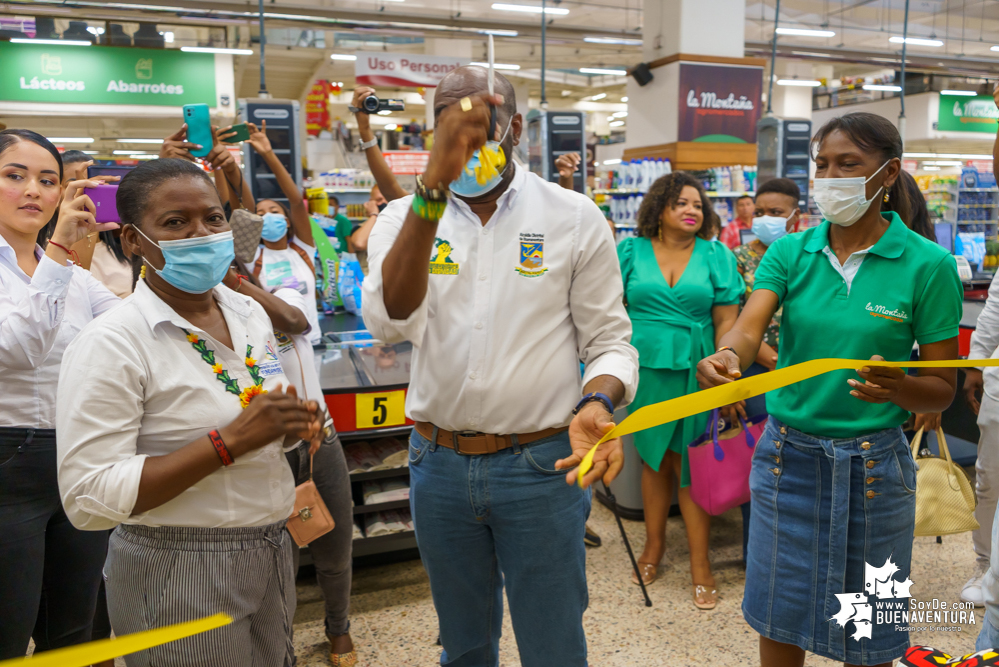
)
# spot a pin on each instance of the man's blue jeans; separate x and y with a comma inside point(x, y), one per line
point(508, 517)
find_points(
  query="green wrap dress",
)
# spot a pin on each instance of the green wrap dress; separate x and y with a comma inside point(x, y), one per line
point(672, 330)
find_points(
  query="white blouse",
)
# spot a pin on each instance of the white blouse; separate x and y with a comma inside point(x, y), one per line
point(286, 269)
point(39, 316)
point(134, 386)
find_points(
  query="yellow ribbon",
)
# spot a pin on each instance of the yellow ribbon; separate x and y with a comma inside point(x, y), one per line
point(82, 655)
point(658, 414)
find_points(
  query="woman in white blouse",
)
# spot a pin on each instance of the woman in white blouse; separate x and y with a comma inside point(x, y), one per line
point(173, 420)
point(286, 257)
point(44, 303)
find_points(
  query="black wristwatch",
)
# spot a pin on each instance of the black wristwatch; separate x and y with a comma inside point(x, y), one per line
point(595, 396)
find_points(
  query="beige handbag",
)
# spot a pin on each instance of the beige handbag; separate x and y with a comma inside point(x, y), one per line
point(246, 227)
point(311, 518)
point(945, 501)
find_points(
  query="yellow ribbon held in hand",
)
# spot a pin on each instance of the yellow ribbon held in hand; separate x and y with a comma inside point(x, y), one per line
point(658, 414)
point(83, 655)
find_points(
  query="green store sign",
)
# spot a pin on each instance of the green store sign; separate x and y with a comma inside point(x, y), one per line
point(968, 114)
point(105, 75)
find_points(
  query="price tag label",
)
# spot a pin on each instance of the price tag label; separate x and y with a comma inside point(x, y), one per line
point(381, 410)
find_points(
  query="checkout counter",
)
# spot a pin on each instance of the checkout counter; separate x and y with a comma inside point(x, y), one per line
point(959, 422)
point(364, 383)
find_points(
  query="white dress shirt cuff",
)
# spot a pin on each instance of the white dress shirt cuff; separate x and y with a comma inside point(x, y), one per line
point(52, 278)
point(616, 365)
point(377, 319)
point(108, 499)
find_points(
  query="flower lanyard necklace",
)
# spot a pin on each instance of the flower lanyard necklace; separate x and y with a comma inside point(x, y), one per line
point(222, 375)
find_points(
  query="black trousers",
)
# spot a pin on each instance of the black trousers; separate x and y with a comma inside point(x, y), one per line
point(49, 570)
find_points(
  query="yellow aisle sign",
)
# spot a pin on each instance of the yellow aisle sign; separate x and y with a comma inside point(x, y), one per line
point(380, 410)
point(658, 414)
point(82, 655)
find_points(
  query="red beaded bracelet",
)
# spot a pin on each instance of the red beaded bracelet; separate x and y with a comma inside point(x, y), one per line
point(220, 448)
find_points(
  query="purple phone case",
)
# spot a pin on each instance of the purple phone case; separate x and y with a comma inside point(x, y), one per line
point(103, 197)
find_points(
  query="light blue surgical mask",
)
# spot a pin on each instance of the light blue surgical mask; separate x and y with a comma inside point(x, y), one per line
point(467, 186)
point(275, 227)
point(197, 264)
point(769, 228)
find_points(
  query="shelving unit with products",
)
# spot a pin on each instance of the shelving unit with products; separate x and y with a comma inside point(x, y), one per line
point(965, 213)
point(627, 185)
point(364, 384)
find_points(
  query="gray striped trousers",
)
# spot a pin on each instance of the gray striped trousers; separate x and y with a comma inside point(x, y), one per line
point(160, 576)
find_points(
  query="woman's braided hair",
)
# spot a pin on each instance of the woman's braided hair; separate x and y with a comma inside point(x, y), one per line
point(666, 192)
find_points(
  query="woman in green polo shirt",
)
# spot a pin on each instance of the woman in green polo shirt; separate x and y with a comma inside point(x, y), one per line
point(833, 480)
point(682, 292)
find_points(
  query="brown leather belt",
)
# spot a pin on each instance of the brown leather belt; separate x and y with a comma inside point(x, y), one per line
point(471, 443)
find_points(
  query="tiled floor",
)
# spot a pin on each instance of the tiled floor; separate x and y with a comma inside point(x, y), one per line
point(394, 624)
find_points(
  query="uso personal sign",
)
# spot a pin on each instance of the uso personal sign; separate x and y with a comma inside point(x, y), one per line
point(403, 69)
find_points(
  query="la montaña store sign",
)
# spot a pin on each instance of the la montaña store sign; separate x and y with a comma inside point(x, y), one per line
point(105, 75)
point(403, 69)
point(719, 103)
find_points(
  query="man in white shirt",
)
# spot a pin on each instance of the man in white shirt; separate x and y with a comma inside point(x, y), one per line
point(984, 345)
point(523, 284)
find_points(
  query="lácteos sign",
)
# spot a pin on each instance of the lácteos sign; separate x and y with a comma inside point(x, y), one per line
point(105, 75)
point(403, 69)
point(719, 103)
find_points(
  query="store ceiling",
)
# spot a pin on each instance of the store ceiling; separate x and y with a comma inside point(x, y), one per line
point(303, 33)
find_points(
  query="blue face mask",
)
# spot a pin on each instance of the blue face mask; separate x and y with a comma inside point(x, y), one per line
point(768, 228)
point(467, 186)
point(195, 265)
point(275, 227)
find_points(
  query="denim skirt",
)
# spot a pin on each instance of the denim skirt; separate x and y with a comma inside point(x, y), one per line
point(825, 514)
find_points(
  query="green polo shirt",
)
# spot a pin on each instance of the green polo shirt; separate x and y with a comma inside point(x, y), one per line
point(906, 289)
point(344, 229)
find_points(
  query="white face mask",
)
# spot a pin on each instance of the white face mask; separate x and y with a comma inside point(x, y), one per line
point(843, 201)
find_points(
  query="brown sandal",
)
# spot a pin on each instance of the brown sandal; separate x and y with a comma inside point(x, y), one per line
point(341, 659)
point(702, 593)
point(650, 571)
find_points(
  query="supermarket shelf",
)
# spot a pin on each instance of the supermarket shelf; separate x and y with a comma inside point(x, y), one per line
point(723, 195)
point(379, 474)
point(948, 191)
point(979, 190)
point(381, 507)
point(339, 191)
point(367, 546)
point(993, 205)
point(616, 191)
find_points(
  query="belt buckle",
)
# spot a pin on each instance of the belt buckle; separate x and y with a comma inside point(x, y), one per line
point(454, 440)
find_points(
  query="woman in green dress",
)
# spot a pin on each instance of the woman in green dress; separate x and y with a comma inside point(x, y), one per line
point(682, 292)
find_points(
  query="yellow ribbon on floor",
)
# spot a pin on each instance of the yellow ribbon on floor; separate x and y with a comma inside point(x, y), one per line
point(82, 655)
point(658, 414)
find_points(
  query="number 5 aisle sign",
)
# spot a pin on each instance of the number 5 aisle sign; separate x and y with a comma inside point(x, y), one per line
point(380, 410)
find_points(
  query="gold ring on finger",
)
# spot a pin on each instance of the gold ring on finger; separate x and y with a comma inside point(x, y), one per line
point(466, 104)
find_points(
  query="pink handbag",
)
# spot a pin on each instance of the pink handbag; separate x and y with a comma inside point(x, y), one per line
point(720, 464)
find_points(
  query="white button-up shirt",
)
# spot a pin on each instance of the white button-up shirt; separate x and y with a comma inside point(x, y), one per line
point(39, 316)
point(985, 339)
point(133, 386)
point(511, 309)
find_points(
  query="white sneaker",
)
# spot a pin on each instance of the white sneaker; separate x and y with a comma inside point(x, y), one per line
point(972, 591)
